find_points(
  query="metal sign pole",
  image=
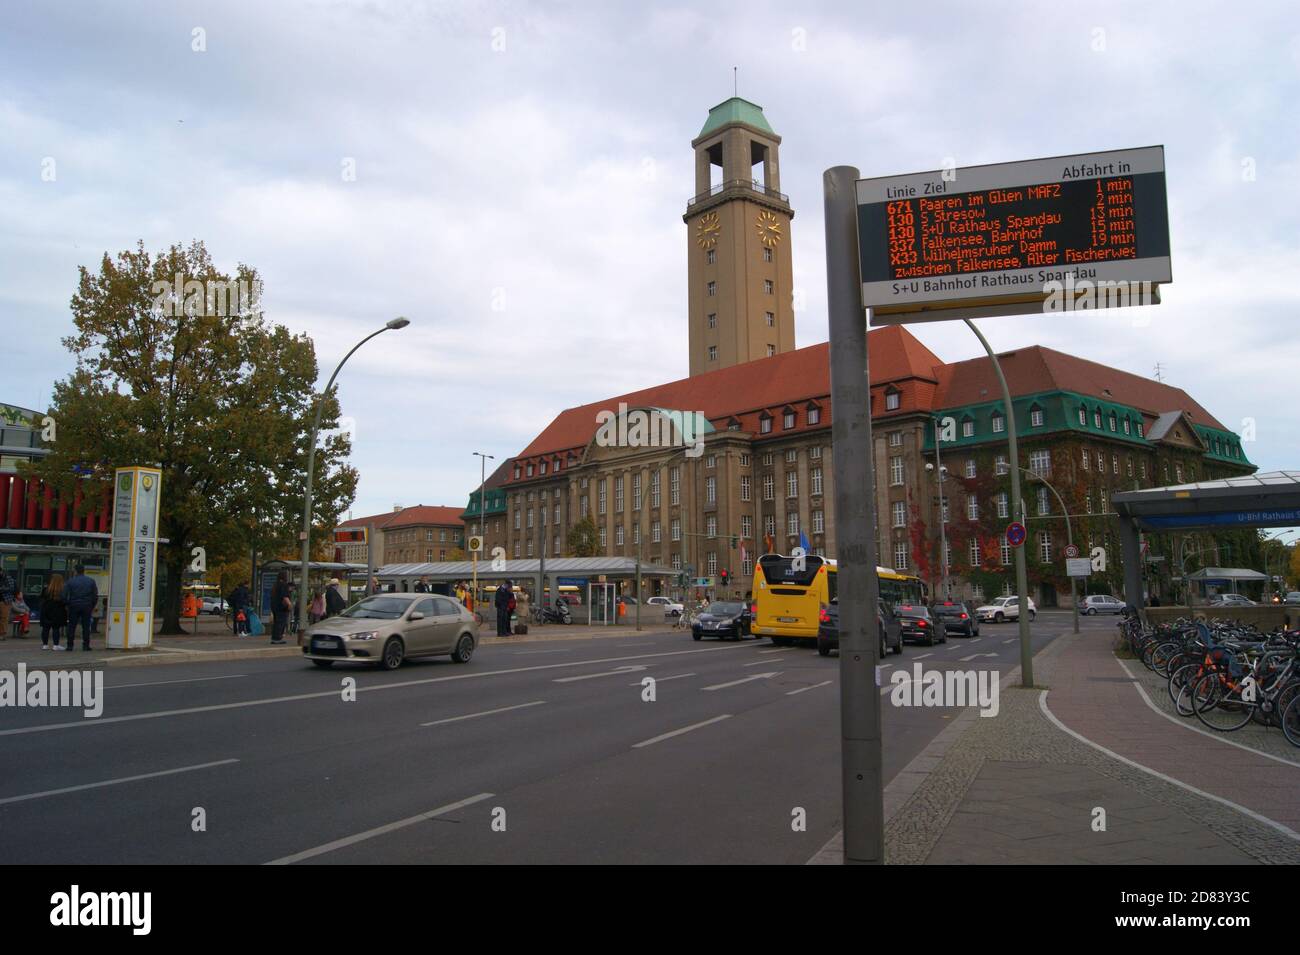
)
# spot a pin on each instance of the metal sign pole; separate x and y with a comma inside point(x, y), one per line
point(855, 528)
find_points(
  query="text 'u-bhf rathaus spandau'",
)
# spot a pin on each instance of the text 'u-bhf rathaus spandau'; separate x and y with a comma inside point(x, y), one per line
point(763, 480)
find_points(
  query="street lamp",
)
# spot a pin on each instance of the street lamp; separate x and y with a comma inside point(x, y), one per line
point(482, 521)
point(943, 532)
point(391, 325)
point(1069, 537)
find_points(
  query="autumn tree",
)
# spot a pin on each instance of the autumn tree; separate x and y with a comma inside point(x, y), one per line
point(177, 368)
point(581, 540)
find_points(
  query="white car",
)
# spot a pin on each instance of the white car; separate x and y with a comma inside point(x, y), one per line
point(1004, 608)
point(214, 605)
point(670, 608)
point(1100, 603)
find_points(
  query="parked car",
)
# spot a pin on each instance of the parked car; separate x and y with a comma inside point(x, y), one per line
point(671, 608)
point(1094, 604)
point(828, 629)
point(918, 626)
point(1293, 598)
point(1004, 608)
point(955, 617)
point(386, 629)
point(1230, 600)
point(724, 619)
point(213, 605)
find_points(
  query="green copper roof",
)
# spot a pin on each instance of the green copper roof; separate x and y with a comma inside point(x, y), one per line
point(736, 110)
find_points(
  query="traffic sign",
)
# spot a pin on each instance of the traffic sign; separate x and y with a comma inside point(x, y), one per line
point(1071, 550)
point(1078, 567)
point(1016, 533)
point(474, 544)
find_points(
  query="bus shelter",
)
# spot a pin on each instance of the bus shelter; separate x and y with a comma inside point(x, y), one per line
point(1271, 499)
point(351, 577)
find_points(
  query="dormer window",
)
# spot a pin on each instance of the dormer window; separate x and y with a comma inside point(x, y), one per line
point(893, 399)
point(999, 423)
point(765, 423)
point(1035, 417)
point(968, 428)
point(788, 419)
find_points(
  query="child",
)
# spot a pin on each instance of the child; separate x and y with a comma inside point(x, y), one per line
point(21, 615)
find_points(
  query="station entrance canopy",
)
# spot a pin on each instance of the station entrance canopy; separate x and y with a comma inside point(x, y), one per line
point(1271, 499)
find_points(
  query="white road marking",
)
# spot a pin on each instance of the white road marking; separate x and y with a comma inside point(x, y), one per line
point(685, 729)
point(756, 663)
point(922, 656)
point(524, 653)
point(197, 679)
point(334, 694)
point(116, 782)
point(380, 831)
point(470, 716)
point(781, 650)
point(748, 679)
point(974, 655)
point(1042, 705)
point(662, 679)
point(804, 688)
point(1012, 640)
point(621, 671)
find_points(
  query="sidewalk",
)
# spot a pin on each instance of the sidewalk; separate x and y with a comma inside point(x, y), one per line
point(1022, 788)
point(215, 642)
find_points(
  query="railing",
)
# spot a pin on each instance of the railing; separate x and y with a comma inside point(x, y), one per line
point(751, 184)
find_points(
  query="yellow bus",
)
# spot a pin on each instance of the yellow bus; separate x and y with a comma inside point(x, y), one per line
point(786, 601)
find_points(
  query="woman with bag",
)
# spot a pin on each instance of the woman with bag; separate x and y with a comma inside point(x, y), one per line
point(281, 605)
point(54, 613)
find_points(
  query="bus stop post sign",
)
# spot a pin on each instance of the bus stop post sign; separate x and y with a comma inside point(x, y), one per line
point(1056, 234)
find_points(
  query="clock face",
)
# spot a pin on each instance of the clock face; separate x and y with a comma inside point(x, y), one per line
point(708, 230)
point(769, 228)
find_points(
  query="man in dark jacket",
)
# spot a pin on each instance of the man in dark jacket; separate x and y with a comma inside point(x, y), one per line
point(281, 605)
point(81, 595)
point(502, 602)
point(334, 602)
point(239, 603)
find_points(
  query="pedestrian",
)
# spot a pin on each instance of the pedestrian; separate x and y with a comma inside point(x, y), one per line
point(54, 613)
point(6, 598)
point(82, 595)
point(316, 609)
point(502, 601)
point(239, 601)
point(21, 614)
point(422, 585)
point(334, 602)
point(281, 605)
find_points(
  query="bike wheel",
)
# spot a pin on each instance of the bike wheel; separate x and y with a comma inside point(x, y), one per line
point(1179, 688)
point(1218, 705)
point(1162, 655)
point(1290, 720)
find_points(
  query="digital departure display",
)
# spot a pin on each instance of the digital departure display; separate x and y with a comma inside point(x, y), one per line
point(997, 235)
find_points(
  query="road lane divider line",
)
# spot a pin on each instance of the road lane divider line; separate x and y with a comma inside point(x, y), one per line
point(664, 679)
point(685, 729)
point(922, 656)
point(197, 679)
point(524, 653)
point(471, 716)
point(804, 689)
point(620, 671)
point(1012, 640)
point(748, 679)
point(334, 694)
point(378, 831)
point(116, 782)
point(780, 650)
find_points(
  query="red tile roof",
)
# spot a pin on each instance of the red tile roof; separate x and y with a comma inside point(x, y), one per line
point(419, 514)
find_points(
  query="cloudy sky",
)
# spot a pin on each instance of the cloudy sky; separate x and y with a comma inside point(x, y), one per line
point(521, 170)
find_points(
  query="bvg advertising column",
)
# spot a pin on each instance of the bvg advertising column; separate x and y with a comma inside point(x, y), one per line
point(135, 551)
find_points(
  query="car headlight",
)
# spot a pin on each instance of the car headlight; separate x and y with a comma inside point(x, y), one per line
point(364, 635)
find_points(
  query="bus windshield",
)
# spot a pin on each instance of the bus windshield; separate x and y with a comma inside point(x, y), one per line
point(781, 570)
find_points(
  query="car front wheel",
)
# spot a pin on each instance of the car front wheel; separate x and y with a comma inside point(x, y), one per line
point(464, 649)
point(394, 654)
point(997, 617)
point(1032, 615)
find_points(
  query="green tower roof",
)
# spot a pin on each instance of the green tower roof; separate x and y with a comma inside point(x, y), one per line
point(736, 110)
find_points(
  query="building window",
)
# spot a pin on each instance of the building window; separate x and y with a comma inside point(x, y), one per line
point(895, 439)
point(816, 477)
point(900, 513)
point(712, 256)
point(767, 253)
point(517, 518)
point(768, 287)
point(1087, 501)
point(787, 420)
point(770, 319)
point(713, 288)
point(711, 526)
point(1128, 427)
point(677, 561)
point(711, 490)
point(900, 555)
point(970, 467)
point(791, 455)
point(746, 526)
point(972, 508)
point(999, 423)
point(516, 549)
point(896, 470)
point(1035, 417)
point(602, 496)
point(711, 461)
point(712, 563)
point(769, 525)
point(604, 540)
point(1000, 465)
point(713, 353)
point(747, 565)
point(767, 459)
point(968, 429)
point(1044, 506)
point(618, 536)
point(943, 510)
point(892, 399)
point(745, 488)
point(636, 492)
point(1111, 421)
point(791, 483)
point(819, 522)
point(769, 488)
point(675, 529)
point(1001, 500)
point(1143, 470)
point(1101, 461)
point(654, 489)
point(1086, 457)
point(1130, 465)
point(674, 486)
point(974, 552)
point(765, 424)
point(1040, 463)
point(618, 494)
point(1096, 418)
point(655, 535)
point(557, 546)
point(815, 453)
point(771, 350)
point(792, 523)
point(713, 320)
point(1083, 417)
point(977, 592)
point(1004, 553)
point(1045, 546)
point(530, 470)
point(1114, 463)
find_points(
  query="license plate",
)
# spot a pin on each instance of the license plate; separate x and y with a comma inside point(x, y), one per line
point(788, 619)
point(327, 644)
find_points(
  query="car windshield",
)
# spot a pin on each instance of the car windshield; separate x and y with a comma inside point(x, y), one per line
point(721, 609)
point(378, 608)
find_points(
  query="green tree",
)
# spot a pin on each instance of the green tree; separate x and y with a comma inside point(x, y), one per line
point(201, 385)
point(582, 538)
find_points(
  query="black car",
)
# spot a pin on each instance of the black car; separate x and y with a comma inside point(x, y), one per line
point(918, 626)
point(726, 620)
point(828, 630)
point(955, 617)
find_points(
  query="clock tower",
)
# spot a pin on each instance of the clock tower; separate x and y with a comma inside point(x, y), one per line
point(738, 242)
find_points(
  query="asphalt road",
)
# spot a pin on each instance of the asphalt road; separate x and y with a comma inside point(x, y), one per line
point(540, 752)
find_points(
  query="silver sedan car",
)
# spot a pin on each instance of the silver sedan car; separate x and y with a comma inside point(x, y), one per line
point(387, 628)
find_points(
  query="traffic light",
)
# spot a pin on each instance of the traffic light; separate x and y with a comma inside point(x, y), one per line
point(734, 542)
point(724, 578)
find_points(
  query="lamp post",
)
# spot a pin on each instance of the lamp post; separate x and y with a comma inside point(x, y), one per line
point(482, 523)
point(393, 324)
point(1069, 538)
point(942, 473)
